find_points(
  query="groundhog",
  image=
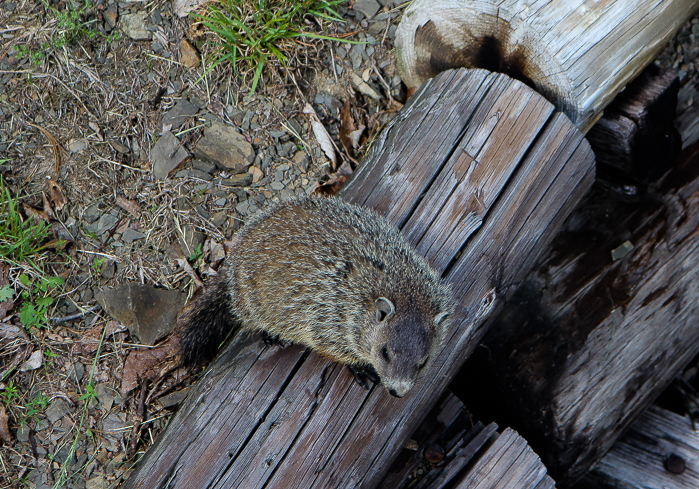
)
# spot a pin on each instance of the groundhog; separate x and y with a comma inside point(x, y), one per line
point(334, 277)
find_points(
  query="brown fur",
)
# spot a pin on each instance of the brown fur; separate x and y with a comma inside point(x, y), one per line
point(332, 276)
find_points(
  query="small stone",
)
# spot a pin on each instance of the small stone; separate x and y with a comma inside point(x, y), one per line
point(224, 146)
point(131, 235)
point(364, 87)
point(57, 409)
point(219, 218)
point(179, 114)
point(201, 175)
point(206, 166)
point(76, 372)
point(301, 160)
point(163, 162)
point(77, 145)
point(106, 222)
point(134, 26)
point(23, 433)
point(113, 423)
point(256, 174)
point(108, 269)
point(276, 185)
point(111, 16)
point(190, 239)
point(239, 180)
point(188, 54)
point(175, 398)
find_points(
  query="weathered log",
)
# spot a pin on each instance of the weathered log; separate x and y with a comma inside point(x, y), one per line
point(599, 329)
point(480, 173)
point(577, 54)
point(660, 450)
point(635, 141)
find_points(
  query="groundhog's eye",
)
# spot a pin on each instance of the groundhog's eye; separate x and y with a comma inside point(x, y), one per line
point(384, 354)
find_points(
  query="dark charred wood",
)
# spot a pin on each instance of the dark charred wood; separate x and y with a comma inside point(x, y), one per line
point(635, 141)
point(590, 340)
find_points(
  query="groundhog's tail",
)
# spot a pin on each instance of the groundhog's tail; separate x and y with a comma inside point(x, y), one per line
point(206, 325)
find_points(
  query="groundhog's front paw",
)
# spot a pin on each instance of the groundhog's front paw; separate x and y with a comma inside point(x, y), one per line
point(274, 340)
point(364, 375)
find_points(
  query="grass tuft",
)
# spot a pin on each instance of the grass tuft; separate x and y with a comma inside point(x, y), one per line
point(253, 32)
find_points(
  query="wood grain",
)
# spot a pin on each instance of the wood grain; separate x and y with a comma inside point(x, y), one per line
point(281, 415)
point(578, 54)
point(638, 458)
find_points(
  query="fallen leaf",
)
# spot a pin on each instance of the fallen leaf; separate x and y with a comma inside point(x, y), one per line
point(146, 363)
point(335, 183)
point(4, 428)
point(129, 206)
point(57, 196)
point(36, 213)
point(54, 144)
point(6, 294)
point(322, 136)
point(96, 128)
point(47, 207)
point(36, 360)
point(176, 256)
point(346, 128)
point(90, 340)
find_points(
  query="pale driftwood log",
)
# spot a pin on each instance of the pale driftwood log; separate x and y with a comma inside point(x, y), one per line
point(475, 157)
point(577, 54)
point(508, 463)
point(640, 457)
point(589, 340)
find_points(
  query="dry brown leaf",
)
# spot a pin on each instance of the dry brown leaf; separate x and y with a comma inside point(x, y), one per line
point(321, 135)
point(6, 305)
point(58, 198)
point(129, 206)
point(347, 127)
point(90, 340)
point(4, 427)
point(54, 144)
point(146, 363)
point(175, 254)
point(337, 180)
point(35, 213)
point(35, 361)
point(47, 206)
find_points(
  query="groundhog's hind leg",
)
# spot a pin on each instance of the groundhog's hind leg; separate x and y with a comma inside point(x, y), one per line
point(364, 375)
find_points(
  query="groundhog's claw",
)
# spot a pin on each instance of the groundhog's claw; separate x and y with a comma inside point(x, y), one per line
point(365, 376)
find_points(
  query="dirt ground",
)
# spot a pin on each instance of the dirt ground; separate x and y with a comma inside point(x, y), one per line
point(84, 114)
point(80, 117)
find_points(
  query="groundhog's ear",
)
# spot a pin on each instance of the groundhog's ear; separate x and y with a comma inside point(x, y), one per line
point(384, 309)
point(441, 318)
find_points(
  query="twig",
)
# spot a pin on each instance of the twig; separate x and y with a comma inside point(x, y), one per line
point(76, 316)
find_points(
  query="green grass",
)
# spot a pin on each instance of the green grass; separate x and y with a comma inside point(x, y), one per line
point(20, 239)
point(253, 32)
point(72, 28)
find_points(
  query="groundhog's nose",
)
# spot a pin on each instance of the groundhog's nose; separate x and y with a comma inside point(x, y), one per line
point(393, 393)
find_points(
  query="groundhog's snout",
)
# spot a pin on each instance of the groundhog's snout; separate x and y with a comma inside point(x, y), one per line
point(399, 389)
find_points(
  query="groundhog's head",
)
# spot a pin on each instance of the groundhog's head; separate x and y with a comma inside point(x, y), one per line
point(403, 343)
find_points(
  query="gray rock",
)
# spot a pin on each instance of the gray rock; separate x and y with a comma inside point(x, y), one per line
point(179, 114)
point(108, 269)
point(166, 155)
point(105, 223)
point(134, 26)
point(225, 147)
point(106, 396)
point(76, 372)
point(206, 166)
point(276, 185)
point(190, 240)
point(92, 213)
point(149, 313)
point(113, 423)
point(367, 7)
point(239, 180)
point(201, 175)
point(219, 218)
point(131, 235)
point(57, 409)
point(175, 398)
point(23, 433)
